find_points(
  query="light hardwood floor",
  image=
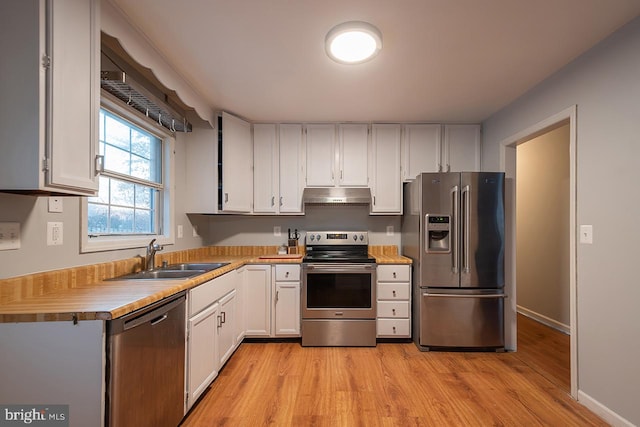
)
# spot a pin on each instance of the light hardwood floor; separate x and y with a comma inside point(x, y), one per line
point(284, 384)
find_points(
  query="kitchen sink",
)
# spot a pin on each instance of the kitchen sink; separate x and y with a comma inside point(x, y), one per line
point(174, 271)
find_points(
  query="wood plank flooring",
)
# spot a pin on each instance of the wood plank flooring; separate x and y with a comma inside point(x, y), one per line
point(284, 384)
point(545, 350)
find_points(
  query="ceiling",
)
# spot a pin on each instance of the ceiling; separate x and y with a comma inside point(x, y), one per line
point(441, 61)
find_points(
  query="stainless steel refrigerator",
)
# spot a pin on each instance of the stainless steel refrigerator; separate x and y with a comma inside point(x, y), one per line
point(453, 230)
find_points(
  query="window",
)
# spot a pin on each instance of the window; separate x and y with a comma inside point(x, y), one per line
point(133, 203)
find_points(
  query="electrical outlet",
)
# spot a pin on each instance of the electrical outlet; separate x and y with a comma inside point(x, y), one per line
point(180, 231)
point(54, 233)
point(390, 230)
point(277, 231)
point(9, 235)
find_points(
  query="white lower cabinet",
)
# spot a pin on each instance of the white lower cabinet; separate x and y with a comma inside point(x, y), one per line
point(286, 304)
point(257, 300)
point(226, 327)
point(272, 300)
point(211, 332)
point(394, 301)
point(201, 350)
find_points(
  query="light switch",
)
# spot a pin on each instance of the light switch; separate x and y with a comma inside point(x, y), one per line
point(54, 233)
point(586, 234)
point(55, 204)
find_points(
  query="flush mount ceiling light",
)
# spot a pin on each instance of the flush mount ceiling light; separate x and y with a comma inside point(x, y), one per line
point(353, 42)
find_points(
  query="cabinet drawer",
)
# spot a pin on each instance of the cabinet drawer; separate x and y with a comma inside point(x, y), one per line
point(393, 291)
point(287, 273)
point(394, 273)
point(393, 328)
point(204, 295)
point(394, 309)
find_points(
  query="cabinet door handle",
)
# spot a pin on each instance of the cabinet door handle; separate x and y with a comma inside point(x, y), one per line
point(394, 293)
point(394, 275)
point(219, 321)
point(226, 197)
point(394, 329)
point(273, 200)
point(224, 317)
point(277, 296)
point(393, 310)
point(286, 274)
point(280, 200)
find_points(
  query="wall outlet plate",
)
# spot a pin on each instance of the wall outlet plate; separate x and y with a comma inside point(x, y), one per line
point(54, 234)
point(55, 204)
point(586, 234)
point(9, 236)
point(277, 230)
point(390, 230)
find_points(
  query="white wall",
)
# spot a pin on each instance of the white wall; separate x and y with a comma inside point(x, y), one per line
point(542, 227)
point(255, 230)
point(604, 83)
point(32, 213)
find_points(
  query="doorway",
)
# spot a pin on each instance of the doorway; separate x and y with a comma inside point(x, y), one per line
point(509, 162)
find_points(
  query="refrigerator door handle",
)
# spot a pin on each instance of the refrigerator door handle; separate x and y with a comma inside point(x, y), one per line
point(484, 296)
point(455, 255)
point(466, 201)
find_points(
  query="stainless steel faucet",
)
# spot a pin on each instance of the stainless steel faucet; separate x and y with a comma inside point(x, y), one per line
point(150, 260)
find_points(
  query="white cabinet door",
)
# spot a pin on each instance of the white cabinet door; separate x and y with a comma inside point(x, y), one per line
point(265, 168)
point(321, 142)
point(237, 155)
point(257, 300)
point(201, 171)
point(226, 327)
point(287, 309)
point(421, 150)
point(291, 163)
point(49, 81)
point(386, 183)
point(239, 320)
point(353, 155)
point(202, 365)
point(462, 148)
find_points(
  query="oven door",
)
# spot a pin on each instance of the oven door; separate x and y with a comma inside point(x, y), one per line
point(338, 291)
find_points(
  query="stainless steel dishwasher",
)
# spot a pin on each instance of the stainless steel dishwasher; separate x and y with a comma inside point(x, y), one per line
point(145, 366)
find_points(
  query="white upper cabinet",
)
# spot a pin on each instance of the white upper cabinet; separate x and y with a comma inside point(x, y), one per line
point(49, 83)
point(291, 176)
point(421, 150)
point(438, 148)
point(265, 169)
point(353, 155)
point(321, 152)
point(237, 156)
point(461, 148)
point(386, 184)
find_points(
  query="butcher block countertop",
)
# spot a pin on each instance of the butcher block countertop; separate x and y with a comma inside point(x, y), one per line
point(83, 293)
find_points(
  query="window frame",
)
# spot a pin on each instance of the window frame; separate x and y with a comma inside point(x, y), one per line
point(165, 235)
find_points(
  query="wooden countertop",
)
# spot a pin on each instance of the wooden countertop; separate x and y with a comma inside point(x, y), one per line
point(81, 293)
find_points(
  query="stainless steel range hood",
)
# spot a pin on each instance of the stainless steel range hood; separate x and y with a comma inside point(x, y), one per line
point(336, 196)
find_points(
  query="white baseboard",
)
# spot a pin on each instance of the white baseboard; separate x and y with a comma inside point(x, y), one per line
point(602, 411)
point(544, 320)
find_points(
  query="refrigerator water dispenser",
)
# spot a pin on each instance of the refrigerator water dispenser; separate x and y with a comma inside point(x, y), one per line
point(438, 233)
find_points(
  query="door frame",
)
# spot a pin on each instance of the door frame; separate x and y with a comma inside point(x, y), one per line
point(508, 165)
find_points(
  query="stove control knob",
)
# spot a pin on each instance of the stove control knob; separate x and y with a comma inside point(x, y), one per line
point(355, 237)
point(312, 237)
point(361, 238)
point(318, 237)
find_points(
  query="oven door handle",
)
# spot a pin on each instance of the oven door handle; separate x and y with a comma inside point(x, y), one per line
point(339, 268)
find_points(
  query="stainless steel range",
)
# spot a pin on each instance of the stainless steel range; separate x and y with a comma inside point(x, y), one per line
point(338, 290)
